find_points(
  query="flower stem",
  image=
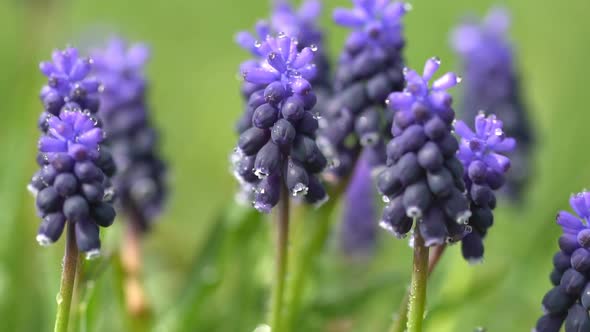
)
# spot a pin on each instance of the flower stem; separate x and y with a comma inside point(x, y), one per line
point(399, 324)
point(417, 300)
point(282, 239)
point(68, 277)
point(131, 261)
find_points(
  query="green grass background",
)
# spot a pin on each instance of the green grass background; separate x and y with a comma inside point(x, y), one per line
point(194, 94)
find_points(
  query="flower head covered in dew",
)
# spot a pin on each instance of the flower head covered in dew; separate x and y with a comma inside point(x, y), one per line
point(489, 68)
point(569, 299)
point(301, 24)
point(370, 68)
point(481, 153)
point(73, 183)
point(141, 179)
point(423, 179)
point(279, 146)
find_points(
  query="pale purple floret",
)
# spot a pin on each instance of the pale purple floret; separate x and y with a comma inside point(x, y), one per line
point(72, 132)
point(375, 22)
point(68, 80)
point(486, 144)
point(568, 302)
point(120, 69)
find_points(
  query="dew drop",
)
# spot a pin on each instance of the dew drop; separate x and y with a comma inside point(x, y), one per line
point(408, 6)
point(459, 79)
point(385, 199)
point(414, 212)
point(436, 60)
point(257, 44)
point(92, 254)
point(59, 299)
point(43, 240)
point(299, 190)
point(313, 47)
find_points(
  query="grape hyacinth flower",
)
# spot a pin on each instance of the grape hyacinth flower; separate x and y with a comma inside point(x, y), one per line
point(73, 183)
point(359, 220)
point(299, 24)
point(423, 180)
point(485, 169)
point(140, 180)
point(370, 68)
point(493, 85)
point(279, 149)
point(569, 299)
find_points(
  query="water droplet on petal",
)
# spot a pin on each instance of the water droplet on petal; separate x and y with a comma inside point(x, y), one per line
point(93, 254)
point(436, 60)
point(299, 190)
point(313, 47)
point(43, 240)
point(459, 79)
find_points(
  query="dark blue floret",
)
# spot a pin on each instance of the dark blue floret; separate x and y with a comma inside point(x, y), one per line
point(492, 84)
point(141, 179)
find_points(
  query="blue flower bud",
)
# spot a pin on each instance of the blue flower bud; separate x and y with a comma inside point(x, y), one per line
point(274, 93)
point(268, 160)
point(48, 200)
point(430, 157)
point(296, 178)
point(51, 228)
point(292, 109)
point(283, 133)
point(581, 260)
point(432, 229)
point(103, 214)
point(573, 282)
point(265, 116)
point(253, 140)
point(577, 319)
point(66, 184)
point(440, 182)
point(87, 237)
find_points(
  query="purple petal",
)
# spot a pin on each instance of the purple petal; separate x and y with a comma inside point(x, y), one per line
point(260, 76)
point(48, 144)
point(506, 145)
point(91, 137)
point(578, 203)
point(47, 68)
point(277, 62)
point(394, 11)
point(138, 55)
point(309, 72)
point(348, 18)
point(464, 131)
point(245, 40)
point(310, 10)
point(430, 68)
point(80, 69)
point(262, 29)
point(497, 21)
point(497, 162)
point(284, 43)
point(400, 101)
point(78, 151)
point(569, 223)
point(447, 81)
point(480, 125)
point(466, 39)
point(305, 57)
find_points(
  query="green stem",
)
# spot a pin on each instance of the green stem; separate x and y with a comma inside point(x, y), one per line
point(418, 286)
point(282, 239)
point(68, 277)
point(399, 323)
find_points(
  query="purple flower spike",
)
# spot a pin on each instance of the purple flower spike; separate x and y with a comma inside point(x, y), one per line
point(493, 85)
point(485, 166)
point(569, 299)
point(423, 179)
point(277, 143)
point(359, 222)
point(370, 68)
point(141, 180)
point(68, 81)
point(73, 184)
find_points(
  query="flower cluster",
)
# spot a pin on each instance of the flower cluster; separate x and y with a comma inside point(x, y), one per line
point(423, 179)
point(279, 149)
point(301, 25)
point(370, 68)
point(73, 183)
point(485, 169)
point(569, 299)
point(140, 180)
point(492, 85)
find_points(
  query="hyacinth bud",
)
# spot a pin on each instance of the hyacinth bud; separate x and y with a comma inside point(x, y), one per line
point(71, 183)
point(484, 164)
point(418, 157)
point(141, 181)
point(567, 303)
point(492, 84)
point(370, 68)
point(281, 138)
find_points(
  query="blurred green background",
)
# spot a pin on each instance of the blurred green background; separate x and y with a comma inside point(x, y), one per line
point(194, 94)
